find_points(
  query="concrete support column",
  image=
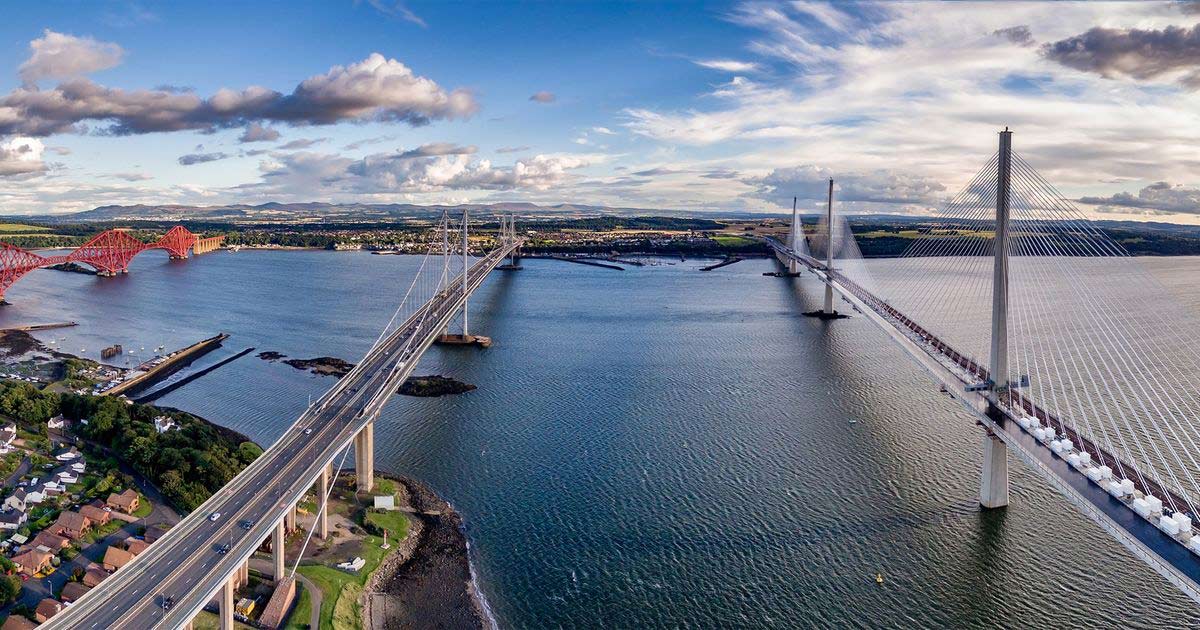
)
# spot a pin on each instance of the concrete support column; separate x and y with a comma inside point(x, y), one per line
point(322, 502)
point(243, 573)
point(993, 487)
point(829, 250)
point(277, 551)
point(289, 519)
point(226, 604)
point(364, 457)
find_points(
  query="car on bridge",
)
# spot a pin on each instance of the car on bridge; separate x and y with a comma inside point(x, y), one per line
point(246, 525)
point(214, 516)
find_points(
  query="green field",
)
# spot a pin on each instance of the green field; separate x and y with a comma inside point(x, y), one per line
point(8, 228)
point(337, 585)
point(726, 240)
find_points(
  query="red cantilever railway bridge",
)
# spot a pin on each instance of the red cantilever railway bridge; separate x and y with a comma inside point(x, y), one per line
point(108, 252)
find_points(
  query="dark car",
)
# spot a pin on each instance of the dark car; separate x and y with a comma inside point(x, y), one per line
point(245, 525)
point(223, 549)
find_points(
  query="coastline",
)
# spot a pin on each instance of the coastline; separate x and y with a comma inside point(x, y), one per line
point(427, 581)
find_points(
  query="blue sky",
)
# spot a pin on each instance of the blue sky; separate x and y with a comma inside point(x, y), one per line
point(700, 106)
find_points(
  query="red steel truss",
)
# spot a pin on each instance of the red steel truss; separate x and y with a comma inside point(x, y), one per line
point(108, 252)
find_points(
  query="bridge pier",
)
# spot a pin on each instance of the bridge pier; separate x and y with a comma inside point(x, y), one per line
point(225, 606)
point(289, 519)
point(993, 486)
point(277, 551)
point(364, 457)
point(243, 574)
point(323, 482)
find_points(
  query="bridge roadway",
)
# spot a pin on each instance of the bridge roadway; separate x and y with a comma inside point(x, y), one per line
point(184, 565)
point(957, 373)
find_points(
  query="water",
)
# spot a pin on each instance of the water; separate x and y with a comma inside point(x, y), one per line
point(658, 447)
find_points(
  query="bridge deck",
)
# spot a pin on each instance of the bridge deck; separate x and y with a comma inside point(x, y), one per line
point(184, 564)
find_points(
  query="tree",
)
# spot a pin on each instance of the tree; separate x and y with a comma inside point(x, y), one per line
point(10, 587)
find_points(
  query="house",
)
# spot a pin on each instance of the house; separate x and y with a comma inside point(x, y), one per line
point(72, 591)
point(126, 501)
point(79, 468)
point(12, 519)
point(34, 497)
point(51, 543)
point(94, 575)
point(32, 562)
point(385, 502)
point(136, 546)
point(15, 501)
point(17, 622)
point(46, 609)
point(8, 434)
point(53, 488)
point(57, 422)
point(67, 454)
point(115, 558)
point(96, 515)
point(67, 477)
point(162, 424)
point(153, 533)
point(70, 524)
point(18, 539)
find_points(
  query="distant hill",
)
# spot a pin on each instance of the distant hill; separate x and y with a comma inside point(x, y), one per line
point(318, 211)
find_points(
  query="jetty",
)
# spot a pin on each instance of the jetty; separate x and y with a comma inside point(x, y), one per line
point(166, 389)
point(156, 369)
point(33, 327)
point(727, 261)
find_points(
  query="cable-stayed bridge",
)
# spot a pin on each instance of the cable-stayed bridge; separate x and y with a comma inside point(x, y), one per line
point(1036, 321)
point(207, 555)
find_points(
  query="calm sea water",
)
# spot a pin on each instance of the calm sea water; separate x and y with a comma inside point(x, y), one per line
point(658, 447)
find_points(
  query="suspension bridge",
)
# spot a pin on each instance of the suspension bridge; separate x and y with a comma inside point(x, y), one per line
point(1036, 321)
point(108, 252)
point(207, 554)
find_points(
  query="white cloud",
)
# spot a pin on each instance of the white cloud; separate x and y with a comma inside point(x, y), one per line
point(728, 65)
point(21, 156)
point(60, 56)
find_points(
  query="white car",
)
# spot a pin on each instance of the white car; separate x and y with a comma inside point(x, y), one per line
point(214, 516)
point(308, 431)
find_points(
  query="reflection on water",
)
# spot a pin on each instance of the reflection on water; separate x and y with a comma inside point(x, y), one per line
point(653, 447)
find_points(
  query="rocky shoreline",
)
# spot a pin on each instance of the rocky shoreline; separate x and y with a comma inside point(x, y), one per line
point(426, 581)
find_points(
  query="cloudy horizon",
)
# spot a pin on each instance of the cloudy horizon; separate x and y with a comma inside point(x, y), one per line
point(714, 107)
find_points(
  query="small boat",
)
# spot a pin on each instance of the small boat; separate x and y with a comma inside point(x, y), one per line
point(853, 421)
point(879, 578)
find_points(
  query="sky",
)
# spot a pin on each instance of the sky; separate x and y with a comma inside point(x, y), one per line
point(703, 107)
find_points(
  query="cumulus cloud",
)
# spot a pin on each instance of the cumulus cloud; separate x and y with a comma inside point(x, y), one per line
point(1140, 54)
point(331, 175)
point(21, 156)
point(727, 65)
point(200, 158)
point(437, 148)
point(604, 130)
point(59, 56)
point(1019, 35)
point(874, 187)
point(543, 97)
point(1160, 197)
point(375, 89)
point(257, 133)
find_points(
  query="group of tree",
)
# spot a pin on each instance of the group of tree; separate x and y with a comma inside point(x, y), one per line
point(188, 463)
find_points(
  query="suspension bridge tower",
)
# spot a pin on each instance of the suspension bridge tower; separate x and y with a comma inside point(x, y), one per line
point(993, 487)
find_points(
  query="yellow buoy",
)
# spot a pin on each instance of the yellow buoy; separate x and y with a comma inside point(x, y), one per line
point(879, 578)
